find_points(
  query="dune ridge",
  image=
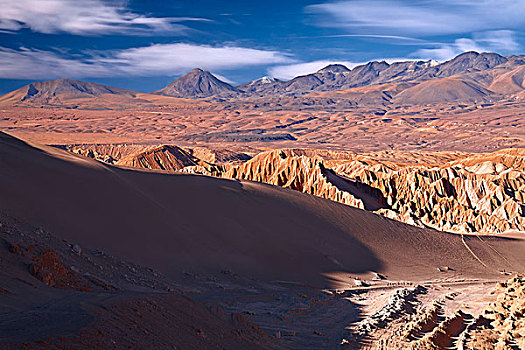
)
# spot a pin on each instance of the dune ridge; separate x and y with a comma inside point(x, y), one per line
point(156, 219)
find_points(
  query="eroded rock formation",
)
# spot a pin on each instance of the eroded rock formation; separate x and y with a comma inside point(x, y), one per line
point(287, 169)
point(162, 158)
point(455, 192)
point(473, 194)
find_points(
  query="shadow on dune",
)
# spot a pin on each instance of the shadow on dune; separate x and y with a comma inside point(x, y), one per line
point(176, 222)
point(373, 199)
point(180, 222)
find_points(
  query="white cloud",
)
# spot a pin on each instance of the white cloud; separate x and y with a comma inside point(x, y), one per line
point(177, 58)
point(160, 59)
point(374, 36)
point(223, 78)
point(38, 64)
point(83, 17)
point(498, 40)
point(290, 71)
point(502, 41)
point(421, 17)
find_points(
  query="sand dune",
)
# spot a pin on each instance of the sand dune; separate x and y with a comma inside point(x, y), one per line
point(196, 223)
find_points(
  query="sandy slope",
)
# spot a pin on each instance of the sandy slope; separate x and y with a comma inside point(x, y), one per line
point(195, 223)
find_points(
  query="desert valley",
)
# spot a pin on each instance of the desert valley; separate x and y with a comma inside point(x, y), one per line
point(374, 207)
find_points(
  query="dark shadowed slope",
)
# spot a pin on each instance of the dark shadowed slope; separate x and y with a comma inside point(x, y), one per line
point(201, 224)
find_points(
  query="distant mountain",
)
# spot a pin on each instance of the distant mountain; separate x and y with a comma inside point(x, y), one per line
point(303, 83)
point(366, 74)
point(258, 82)
point(510, 82)
point(333, 69)
point(264, 84)
point(468, 62)
point(339, 77)
point(197, 84)
point(444, 90)
point(262, 81)
point(60, 91)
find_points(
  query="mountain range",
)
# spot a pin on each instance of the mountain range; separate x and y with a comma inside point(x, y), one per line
point(470, 76)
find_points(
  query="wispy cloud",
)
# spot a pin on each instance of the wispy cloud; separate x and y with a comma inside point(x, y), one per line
point(498, 40)
point(40, 64)
point(177, 58)
point(408, 40)
point(289, 71)
point(501, 41)
point(420, 18)
point(83, 17)
point(223, 78)
point(154, 60)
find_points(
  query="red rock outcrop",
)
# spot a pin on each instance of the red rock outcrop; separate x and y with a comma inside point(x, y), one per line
point(47, 268)
point(162, 158)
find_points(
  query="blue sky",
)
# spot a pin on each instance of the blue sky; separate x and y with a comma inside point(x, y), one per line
point(143, 45)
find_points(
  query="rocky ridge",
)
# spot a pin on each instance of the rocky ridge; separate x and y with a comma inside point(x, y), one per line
point(286, 169)
point(455, 192)
point(161, 157)
point(481, 196)
point(505, 322)
point(406, 321)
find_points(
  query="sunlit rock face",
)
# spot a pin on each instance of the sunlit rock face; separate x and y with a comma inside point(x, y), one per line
point(474, 194)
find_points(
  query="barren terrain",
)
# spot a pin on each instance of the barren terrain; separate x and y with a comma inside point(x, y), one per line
point(381, 207)
point(295, 268)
